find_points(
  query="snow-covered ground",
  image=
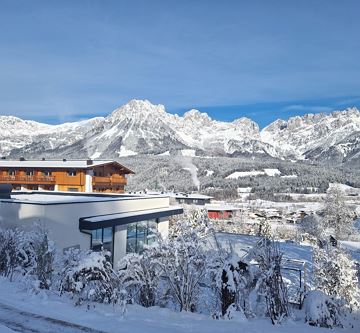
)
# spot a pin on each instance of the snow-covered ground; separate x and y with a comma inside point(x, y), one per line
point(188, 152)
point(252, 173)
point(126, 152)
point(106, 318)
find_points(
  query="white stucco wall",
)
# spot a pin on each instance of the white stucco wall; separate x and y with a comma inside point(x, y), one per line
point(62, 220)
point(163, 227)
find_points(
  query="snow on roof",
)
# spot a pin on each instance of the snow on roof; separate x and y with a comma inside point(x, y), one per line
point(179, 195)
point(44, 198)
point(76, 164)
point(101, 218)
point(190, 196)
point(221, 207)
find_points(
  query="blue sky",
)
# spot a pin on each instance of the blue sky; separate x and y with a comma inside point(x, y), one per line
point(69, 60)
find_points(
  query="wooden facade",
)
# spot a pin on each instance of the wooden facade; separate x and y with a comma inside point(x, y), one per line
point(109, 176)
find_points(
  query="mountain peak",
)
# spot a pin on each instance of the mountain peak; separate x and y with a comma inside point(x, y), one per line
point(196, 115)
point(243, 121)
point(137, 107)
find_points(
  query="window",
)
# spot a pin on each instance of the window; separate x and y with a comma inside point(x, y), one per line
point(11, 173)
point(29, 173)
point(47, 173)
point(73, 189)
point(139, 234)
point(102, 239)
point(71, 173)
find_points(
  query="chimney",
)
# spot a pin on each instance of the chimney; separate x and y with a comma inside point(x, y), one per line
point(22, 159)
point(89, 162)
point(5, 191)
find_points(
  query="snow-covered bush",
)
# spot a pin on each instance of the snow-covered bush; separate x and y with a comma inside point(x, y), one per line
point(285, 232)
point(321, 310)
point(270, 285)
point(41, 252)
point(89, 276)
point(31, 254)
point(140, 275)
point(9, 252)
point(183, 263)
point(335, 274)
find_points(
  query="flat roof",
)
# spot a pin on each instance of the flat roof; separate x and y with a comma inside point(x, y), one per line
point(74, 164)
point(112, 220)
point(191, 196)
point(53, 198)
point(179, 195)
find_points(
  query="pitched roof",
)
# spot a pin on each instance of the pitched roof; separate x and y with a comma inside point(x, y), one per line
point(74, 164)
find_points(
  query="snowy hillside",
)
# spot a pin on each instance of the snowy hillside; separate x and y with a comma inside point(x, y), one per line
point(140, 127)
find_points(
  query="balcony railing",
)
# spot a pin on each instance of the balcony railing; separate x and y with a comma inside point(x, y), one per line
point(109, 180)
point(27, 179)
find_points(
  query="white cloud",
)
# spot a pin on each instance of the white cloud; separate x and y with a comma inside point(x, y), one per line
point(308, 108)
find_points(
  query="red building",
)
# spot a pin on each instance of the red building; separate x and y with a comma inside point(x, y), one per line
point(221, 211)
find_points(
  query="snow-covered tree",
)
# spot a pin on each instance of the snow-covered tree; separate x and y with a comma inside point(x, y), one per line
point(335, 274)
point(337, 214)
point(264, 229)
point(313, 226)
point(193, 218)
point(270, 284)
point(234, 282)
point(42, 259)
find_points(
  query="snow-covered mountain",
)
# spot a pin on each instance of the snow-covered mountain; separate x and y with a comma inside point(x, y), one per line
point(140, 127)
point(324, 137)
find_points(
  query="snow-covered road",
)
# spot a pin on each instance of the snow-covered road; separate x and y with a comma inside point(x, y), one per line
point(22, 321)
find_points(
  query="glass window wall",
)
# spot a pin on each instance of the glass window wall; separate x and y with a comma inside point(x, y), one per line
point(140, 234)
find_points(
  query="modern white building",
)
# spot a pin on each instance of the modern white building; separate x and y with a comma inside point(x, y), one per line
point(117, 222)
point(197, 199)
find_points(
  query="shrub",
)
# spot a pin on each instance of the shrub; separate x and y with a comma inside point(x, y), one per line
point(140, 276)
point(89, 276)
point(9, 252)
point(321, 310)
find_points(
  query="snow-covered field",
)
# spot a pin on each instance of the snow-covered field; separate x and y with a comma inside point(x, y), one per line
point(106, 318)
point(267, 172)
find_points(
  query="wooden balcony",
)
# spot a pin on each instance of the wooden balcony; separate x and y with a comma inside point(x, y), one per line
point(27, 180)
point(111, 180)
